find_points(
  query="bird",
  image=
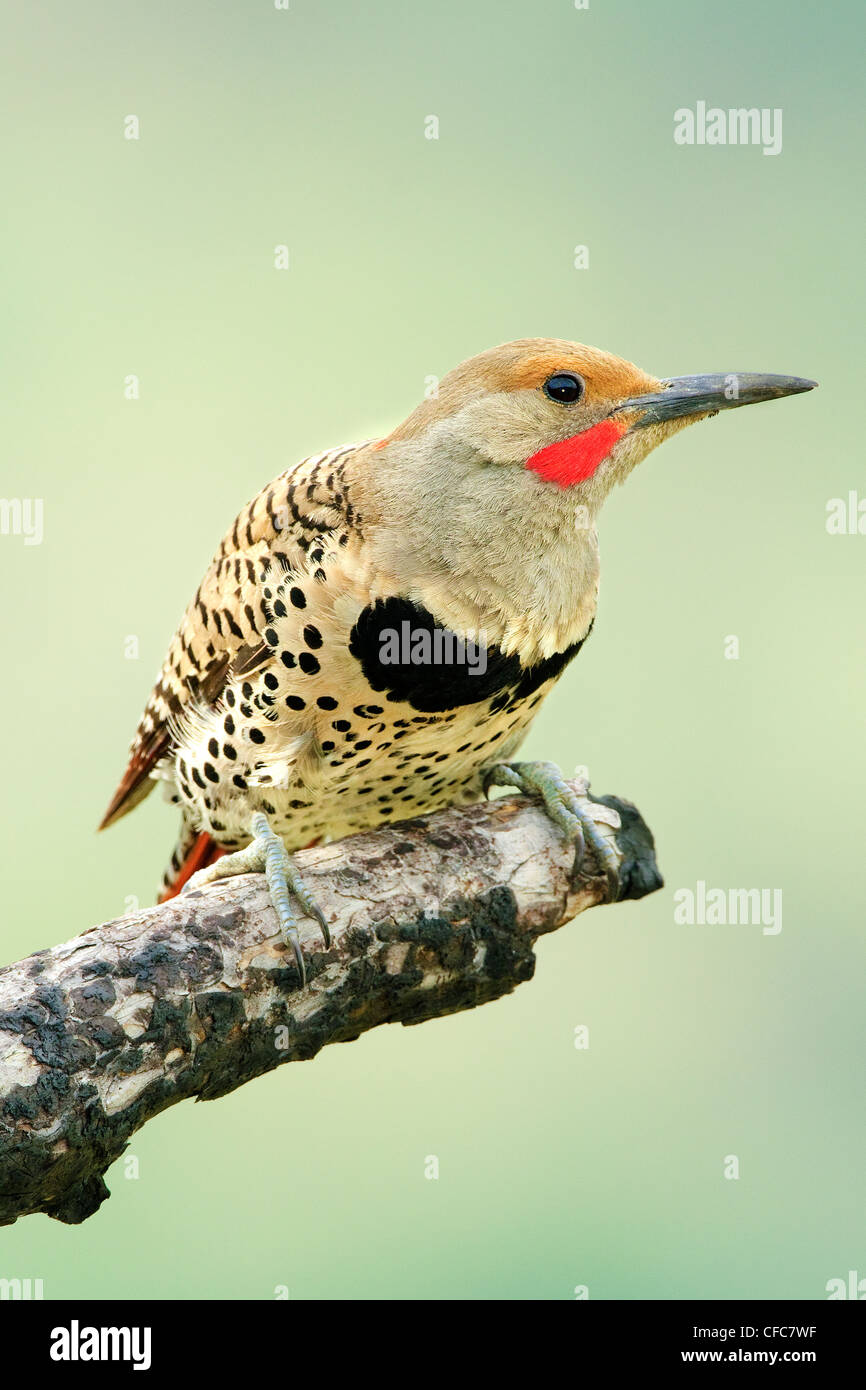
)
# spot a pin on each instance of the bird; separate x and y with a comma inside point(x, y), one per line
point(380, 625)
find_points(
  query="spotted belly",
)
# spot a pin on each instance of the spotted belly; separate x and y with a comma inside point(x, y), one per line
point(359, 733)
point(371, 772)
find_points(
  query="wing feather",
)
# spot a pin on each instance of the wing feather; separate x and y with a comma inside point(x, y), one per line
point(220, 635)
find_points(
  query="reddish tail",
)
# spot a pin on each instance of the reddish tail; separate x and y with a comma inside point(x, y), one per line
point(203, 851)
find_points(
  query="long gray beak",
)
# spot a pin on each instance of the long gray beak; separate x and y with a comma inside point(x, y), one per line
point(699, 395)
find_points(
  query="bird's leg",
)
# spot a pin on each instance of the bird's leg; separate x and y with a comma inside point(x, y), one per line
point(573, 812)
point(268, 855)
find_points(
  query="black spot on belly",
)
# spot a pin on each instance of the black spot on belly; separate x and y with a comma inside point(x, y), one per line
point(385, 648)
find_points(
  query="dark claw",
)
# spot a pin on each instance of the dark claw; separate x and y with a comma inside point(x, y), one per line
point(576, 865)
point(319, 916)
point(579, 865)
point(579, 841)
point(299, 960)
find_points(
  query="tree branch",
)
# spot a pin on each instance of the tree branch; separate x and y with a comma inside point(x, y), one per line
point(197, 996)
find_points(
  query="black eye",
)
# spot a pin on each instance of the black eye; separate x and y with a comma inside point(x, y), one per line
point(564, 388)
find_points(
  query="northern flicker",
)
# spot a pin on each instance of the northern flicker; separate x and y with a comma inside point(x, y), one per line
point(380, 625)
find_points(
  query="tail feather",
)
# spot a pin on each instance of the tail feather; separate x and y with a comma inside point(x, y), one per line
point(195, 850)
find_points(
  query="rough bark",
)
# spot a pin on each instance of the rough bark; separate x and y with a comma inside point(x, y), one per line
point(197, 996)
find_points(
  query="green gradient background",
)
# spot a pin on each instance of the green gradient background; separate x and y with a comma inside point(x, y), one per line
point(558, 1167)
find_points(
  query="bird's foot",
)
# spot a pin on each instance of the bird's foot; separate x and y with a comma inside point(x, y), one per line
point(574, 813)
point(268, 855)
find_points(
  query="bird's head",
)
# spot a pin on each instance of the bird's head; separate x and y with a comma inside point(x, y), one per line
point(490, 489)
point(569, 416)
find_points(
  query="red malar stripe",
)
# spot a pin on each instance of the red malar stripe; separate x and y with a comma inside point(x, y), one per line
point(571, 460)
